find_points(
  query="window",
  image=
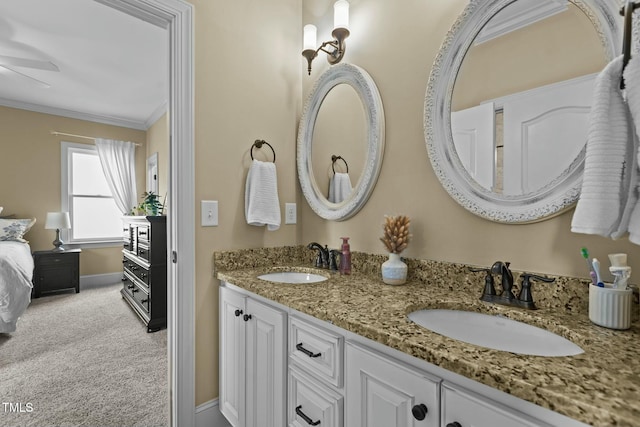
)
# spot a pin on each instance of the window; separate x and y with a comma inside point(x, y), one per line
point(95, 218)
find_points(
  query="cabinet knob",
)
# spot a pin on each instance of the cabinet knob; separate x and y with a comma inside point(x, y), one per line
point(246, 317)
point(454, 424)
point(237, 312)
point(420, 412)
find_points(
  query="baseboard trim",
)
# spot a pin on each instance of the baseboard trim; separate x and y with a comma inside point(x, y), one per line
point(208, 415)
point(97, 280)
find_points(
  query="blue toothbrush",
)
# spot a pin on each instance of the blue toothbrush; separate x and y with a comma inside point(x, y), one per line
point(596, 268)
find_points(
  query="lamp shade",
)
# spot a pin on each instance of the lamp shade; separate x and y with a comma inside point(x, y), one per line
point(57, 221)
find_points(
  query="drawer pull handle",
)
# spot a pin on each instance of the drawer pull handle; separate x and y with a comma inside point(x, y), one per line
point(143, 275)
point(419, 411)
point(237, 312)
point(246, 317)
point(124, 279)
point(305, 417)
point(307, 352)
point(454, 424)
point(144, 301)
point(130, 287)
point(135, 290)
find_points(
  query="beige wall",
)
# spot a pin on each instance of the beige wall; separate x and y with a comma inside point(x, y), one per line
point(397, 46)
point(158, 142)
point(30, 174)
point(247, 80)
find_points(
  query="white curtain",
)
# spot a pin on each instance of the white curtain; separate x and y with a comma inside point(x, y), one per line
point(119, 166)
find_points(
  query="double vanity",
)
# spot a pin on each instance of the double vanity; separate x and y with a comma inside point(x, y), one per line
point(334, 350)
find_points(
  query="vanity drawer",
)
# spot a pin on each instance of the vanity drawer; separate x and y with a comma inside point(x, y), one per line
point(468, 408)
point(312, 403)
point(317, 350)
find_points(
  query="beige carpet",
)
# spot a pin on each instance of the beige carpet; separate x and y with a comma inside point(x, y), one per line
point(83, 360)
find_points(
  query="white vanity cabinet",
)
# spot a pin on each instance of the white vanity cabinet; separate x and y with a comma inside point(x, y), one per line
point(461, 408)
point(252, 361)
point(383, 392)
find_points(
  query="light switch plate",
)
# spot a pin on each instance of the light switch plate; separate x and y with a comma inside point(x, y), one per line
point(209, 213)
point(290, 213)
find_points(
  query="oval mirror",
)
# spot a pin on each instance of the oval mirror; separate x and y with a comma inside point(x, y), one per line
point(341, 145)
point(507, 104)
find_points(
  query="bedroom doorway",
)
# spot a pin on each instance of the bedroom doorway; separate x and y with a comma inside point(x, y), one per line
point(177, 17)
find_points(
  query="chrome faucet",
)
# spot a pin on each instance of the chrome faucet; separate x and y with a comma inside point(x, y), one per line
point(506, 297)
point(326, 258)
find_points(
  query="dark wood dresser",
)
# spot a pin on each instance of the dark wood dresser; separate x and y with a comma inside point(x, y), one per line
point(56, 271)
point(144, 265)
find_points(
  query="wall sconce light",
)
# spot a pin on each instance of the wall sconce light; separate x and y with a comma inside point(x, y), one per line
point(340, 33)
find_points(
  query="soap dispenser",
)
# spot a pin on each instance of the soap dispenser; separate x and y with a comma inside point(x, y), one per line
point(345, 257)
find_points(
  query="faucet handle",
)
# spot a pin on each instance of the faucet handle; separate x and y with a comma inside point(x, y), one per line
point(525, 297)
point(489, 284)
point(333, 259)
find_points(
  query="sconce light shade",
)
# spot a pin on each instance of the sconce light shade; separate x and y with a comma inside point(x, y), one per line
point(339, 34)
point(341, 14)
point(57, 221)
point(310, 37)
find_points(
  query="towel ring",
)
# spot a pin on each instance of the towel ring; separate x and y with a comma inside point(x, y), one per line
point(334, 159)
point(258, 143)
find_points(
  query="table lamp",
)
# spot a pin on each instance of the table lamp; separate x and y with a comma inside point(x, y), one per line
point(57, 221)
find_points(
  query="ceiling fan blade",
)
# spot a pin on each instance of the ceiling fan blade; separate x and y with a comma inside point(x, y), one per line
point(45, 84)
point(13, 61)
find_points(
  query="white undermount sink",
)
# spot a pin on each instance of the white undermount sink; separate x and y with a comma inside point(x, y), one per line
point(293, 277)
point(496, 332)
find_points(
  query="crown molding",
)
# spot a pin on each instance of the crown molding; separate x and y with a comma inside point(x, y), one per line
point(108, 120)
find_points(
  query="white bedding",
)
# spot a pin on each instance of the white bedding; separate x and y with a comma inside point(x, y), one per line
point(16, 272)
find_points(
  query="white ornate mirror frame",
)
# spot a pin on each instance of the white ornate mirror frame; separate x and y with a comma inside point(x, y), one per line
point(559, 195)
point(368, 93)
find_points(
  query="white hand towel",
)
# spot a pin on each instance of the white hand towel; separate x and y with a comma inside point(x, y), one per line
point(604, 191)
point(632, 86)
point(261, 203)
point(339, 187)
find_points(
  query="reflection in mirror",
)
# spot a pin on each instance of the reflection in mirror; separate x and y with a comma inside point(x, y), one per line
point(343, 117)
point(506, 108)
point(517, 99)
point(340, 130)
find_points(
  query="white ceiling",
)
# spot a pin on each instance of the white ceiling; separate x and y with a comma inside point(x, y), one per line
point(113, 68)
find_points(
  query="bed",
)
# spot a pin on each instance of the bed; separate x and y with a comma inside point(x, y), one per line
point(16, 272)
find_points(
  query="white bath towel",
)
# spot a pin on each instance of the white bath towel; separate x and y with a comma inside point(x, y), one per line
point(632, 88)
point(261, 203)
point(604, 190)
point(339, 187)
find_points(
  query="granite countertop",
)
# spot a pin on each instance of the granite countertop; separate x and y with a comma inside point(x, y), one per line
point(600, 387)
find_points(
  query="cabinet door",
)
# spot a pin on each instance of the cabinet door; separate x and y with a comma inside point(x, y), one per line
point(382, 392)
point(265, 366)
point(232, 356)
point(471, 410)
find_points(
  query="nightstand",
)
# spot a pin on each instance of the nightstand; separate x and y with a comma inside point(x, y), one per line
point(56, 271)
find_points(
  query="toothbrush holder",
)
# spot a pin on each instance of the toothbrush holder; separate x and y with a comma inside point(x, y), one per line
point(610, 307)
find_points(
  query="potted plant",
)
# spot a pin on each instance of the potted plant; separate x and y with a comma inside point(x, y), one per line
point(150, 204)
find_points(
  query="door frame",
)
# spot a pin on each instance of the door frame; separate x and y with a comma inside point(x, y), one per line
point(177, 17)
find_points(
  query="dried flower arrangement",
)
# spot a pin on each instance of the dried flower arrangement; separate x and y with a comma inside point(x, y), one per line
point(396, 233)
